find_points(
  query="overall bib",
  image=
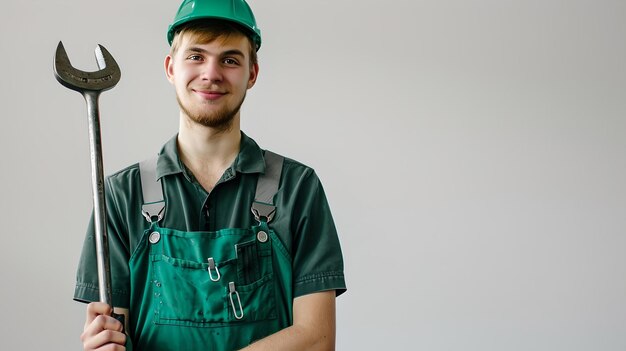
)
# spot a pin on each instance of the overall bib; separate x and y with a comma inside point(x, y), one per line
point(218, 290)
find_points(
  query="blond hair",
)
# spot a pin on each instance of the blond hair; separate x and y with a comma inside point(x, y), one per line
point(207, 31)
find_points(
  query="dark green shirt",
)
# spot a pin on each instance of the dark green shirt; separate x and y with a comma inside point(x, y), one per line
point(303, 220)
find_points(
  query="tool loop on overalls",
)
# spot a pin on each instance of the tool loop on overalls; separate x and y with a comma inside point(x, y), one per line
point(213, 267)
point(232, 291)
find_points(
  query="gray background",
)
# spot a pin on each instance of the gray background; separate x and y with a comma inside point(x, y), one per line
point(472, 152)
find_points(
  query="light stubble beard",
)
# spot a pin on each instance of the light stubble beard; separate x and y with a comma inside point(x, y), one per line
point(220, 120)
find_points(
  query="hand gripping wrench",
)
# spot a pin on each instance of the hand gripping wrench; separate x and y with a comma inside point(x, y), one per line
point(90, 85)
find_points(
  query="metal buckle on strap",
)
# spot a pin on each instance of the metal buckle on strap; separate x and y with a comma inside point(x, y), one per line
point(158, 208)
point(261, 210)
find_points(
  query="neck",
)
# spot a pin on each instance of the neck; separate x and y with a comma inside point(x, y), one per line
point(206, 151)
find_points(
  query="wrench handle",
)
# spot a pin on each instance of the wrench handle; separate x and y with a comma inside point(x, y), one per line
point(99, 205)
point(121, 318)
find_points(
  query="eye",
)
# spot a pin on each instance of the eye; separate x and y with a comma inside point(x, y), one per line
point(230, 61)
point(194, 58)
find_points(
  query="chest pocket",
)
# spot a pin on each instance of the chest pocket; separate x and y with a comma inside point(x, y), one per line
point(206, 279)
point(209, 279)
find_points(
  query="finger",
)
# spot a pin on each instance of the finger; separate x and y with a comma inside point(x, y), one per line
point(95, 309)
point(105, 340)
point(101, 331)
point(101, 323)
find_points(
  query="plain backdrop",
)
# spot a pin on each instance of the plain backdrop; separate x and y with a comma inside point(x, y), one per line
point(472, 152)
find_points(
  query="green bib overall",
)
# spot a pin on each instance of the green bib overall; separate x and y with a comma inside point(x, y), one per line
point(206, 291)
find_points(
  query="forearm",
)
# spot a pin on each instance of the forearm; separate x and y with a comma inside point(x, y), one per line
point(295, 338)
point(313, 328)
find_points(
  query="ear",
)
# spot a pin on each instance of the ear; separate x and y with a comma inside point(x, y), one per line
point(254, 73)
point(169, 68)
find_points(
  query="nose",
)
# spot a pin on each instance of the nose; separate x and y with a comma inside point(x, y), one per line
point(212, 71)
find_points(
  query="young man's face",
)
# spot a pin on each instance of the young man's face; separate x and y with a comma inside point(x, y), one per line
point(211, 79)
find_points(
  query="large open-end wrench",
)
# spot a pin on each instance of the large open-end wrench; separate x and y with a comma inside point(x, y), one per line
point(90, 85)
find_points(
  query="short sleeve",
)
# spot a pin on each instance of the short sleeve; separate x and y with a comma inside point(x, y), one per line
point(317, 256)
point(87, 275)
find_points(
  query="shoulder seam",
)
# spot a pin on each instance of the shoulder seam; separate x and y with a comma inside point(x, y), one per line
point(126, 169)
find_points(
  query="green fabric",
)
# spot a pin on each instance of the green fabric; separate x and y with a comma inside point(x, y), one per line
point(305, 253)
point(182, 305)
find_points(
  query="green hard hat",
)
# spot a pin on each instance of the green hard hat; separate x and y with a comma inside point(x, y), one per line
point(237, 11)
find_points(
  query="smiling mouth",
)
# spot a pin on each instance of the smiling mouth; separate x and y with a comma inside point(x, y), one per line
point(210, 95)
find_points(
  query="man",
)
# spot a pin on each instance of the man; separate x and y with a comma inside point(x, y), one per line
point(234, 247)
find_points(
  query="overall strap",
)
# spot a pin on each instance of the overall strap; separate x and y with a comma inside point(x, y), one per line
point(153, 207)
point(267, 186)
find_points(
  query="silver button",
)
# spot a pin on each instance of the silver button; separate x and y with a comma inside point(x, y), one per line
point(154, 237)
point(261, 236)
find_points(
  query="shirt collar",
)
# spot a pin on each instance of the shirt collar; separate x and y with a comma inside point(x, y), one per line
point(249, 160)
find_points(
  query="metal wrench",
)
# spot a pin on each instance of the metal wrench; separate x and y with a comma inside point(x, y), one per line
point(90, 85)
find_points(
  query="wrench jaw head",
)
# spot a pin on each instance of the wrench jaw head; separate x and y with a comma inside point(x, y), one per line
point(104, 79)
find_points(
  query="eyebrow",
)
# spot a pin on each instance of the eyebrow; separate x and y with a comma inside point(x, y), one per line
point(233, 52)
